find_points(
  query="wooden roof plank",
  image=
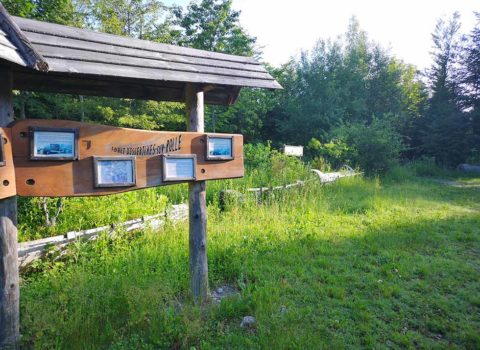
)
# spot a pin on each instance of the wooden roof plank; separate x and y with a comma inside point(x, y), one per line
point(87, 68)
point(101, 58)
point(97, 37)
point(54, 41)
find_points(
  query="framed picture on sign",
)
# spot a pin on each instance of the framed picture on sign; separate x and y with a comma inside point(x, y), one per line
point(219, 147)
point(179, 167)
point(2, 149)
point(114, 171)
point(53, 144)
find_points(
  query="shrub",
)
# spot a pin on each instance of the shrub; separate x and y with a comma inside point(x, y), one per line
point(321, 164)
point(266, 166)
point(334, 153)
point(376, 147)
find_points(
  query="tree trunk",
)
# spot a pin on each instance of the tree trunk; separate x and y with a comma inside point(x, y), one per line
point(9, 289)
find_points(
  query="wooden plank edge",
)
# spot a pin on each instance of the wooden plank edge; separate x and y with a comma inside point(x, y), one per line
point(33, 58)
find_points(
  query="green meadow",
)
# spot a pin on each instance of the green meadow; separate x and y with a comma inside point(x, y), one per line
point(379, 263)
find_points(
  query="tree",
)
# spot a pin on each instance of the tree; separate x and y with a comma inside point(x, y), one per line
point(141, 19)
point(470, 80)
point(350, 80)
point(445, 127)
point(24, 8)
point(214, 26)
point(55, 11)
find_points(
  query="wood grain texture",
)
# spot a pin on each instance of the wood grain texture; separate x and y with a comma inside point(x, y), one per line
point(79, 61)
point(99, 140)
point(128, 88)
point(43, 41)
point(9, 288)
point(7, 172)
point(72, 52)
point(74, 67)
point(28, 25)
point(115, 87)
point(194, 98)
point(145, 62)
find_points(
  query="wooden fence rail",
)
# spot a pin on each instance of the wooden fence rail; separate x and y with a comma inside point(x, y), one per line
point(30, 251)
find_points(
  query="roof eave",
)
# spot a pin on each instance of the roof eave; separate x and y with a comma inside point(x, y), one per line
point(31, 56)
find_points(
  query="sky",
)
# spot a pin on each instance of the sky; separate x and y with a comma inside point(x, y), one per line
point(283, 27)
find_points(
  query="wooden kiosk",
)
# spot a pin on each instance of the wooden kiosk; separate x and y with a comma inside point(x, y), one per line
point(39, 56)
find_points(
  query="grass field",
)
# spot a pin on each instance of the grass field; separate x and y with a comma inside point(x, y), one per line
point(364, 263)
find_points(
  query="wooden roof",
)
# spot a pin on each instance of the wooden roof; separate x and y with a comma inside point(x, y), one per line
point(57, 58)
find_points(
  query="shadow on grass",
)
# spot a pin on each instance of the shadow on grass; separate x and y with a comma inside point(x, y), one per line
point(408, 284)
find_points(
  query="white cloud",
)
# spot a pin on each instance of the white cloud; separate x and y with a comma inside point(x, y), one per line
point(284, 28)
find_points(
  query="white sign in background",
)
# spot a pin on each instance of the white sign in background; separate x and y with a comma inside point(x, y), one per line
point(296, 151)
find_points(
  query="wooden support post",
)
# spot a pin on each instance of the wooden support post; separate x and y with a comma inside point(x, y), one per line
point(9, 289)
point(197, 204)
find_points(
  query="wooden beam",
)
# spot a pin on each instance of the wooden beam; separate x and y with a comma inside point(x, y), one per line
point(112, 87)
point(197, 203)
point(34, 59)
point(9, 289)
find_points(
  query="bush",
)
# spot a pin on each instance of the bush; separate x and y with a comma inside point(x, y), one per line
point(321, 164)
point(334, 153)
point(374, 147)
point(268, 167)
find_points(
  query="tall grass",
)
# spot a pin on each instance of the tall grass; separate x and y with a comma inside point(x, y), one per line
point(264, 167)
point(363, 263)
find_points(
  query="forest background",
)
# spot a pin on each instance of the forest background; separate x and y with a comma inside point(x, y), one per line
point(349, 100)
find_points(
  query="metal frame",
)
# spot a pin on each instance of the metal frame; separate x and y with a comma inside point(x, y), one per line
point(209, 157)
point(3, 161)
point(34, 129)
point(97, 159)
point(167, 178)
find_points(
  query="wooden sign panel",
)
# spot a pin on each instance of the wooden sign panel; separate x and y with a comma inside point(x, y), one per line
point(7, 171)
point(44, 165)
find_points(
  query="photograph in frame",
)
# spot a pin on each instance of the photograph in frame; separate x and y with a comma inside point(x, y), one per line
point(2, 150)
point(181, 167)
point(53, 144)
point(114, 171)
point(219, 148)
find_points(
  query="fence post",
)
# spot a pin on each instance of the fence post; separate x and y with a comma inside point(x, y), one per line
point(197, 203)
point(9, 289)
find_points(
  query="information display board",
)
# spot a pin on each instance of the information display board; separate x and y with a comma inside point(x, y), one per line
point(219, 147)
point(64, 153)
point(180, 167)
point(114, 171)
point(53, 143)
